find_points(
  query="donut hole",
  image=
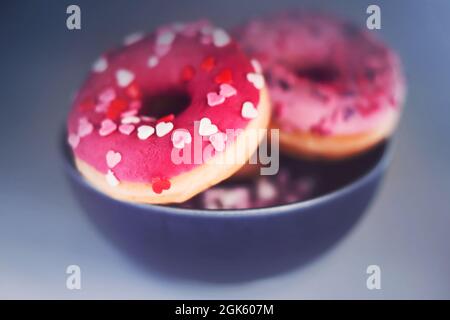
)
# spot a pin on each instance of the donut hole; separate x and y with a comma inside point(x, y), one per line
point(318, 73)
point(172, 101)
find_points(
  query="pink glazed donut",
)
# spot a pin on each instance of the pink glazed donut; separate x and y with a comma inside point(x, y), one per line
point(145, 110)
point(336, 89)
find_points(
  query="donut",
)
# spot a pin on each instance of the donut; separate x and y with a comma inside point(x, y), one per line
point(336, 89)
point(156, 118)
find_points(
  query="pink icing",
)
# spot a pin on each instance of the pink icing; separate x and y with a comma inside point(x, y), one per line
point(175, 65)
point(325, 75)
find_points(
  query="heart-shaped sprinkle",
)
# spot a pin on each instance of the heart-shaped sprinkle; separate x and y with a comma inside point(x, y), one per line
point(135, 105)
point(225, 76)
point(107, 127)
point(111, 179)
point(208, 63)
point(131, 119)
point(165, 38)
point(206, 40)
point(206, 128)
point(152, 61)
point(148, 119)
point(126, 129)
point(113, 158)
point(180, 137)
point(116, 107)
point(107, 95)
point(133, 38)
point(145, 131)
point(218, 141)
point(129, 113)
point(256, 66)
point(257, 80)
point(227, 90)
point(84, 127)
point(163, 128)
point(187, 73)
point(160, 184)
point(220, 38)
point(133, 91)
point(249, 111)
point(124, 77)
point(73, 140)
point(101, 107)
point(214, 99)
point(86, 105)
point(100, 65)
point(162, 50)
point(167, 118)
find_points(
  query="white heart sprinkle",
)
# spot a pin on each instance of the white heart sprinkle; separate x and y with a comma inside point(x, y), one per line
point(100, 65)
point(126, 129)
point(163, 128)
point(165, 38)
point(218, 141)
point(256, 66)
point(111, 179)
point(130, 119)
point(206, 128)
point(220, 38)
point(73, 140)
point(145, 131)
point(124, 77)
point(152, 61)
point(249, 111)
point(133, 38)
point(256, 79)
point(180, 137)
point(113, 158)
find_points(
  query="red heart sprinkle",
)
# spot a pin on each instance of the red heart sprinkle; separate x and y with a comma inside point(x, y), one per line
point(187, 73)
point(86, 105)
point(133, 91)
point(208, 64)
point(167, 118)
point(224, 76)
point(116, 107)
point(160, 184)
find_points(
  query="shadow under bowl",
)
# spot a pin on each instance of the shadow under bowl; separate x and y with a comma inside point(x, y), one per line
point(236, 245)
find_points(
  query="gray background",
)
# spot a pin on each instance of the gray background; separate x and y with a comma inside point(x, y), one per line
point(43, 230)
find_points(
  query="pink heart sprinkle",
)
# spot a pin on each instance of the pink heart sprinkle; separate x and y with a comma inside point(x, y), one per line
point(73, 140)
point(218, 141)
point(227, 90)
point(107, 95)
point(214, 99)
point(107, 127)
point(113, 158)
point(84, 127)
point(126, 129)
point(162, 50)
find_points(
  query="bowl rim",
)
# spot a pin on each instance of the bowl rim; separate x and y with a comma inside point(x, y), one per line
point(380, 166)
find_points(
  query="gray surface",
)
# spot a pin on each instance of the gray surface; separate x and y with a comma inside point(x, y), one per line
point(42, 228)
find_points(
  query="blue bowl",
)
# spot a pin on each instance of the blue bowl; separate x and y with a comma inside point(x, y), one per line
point(236, 245)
